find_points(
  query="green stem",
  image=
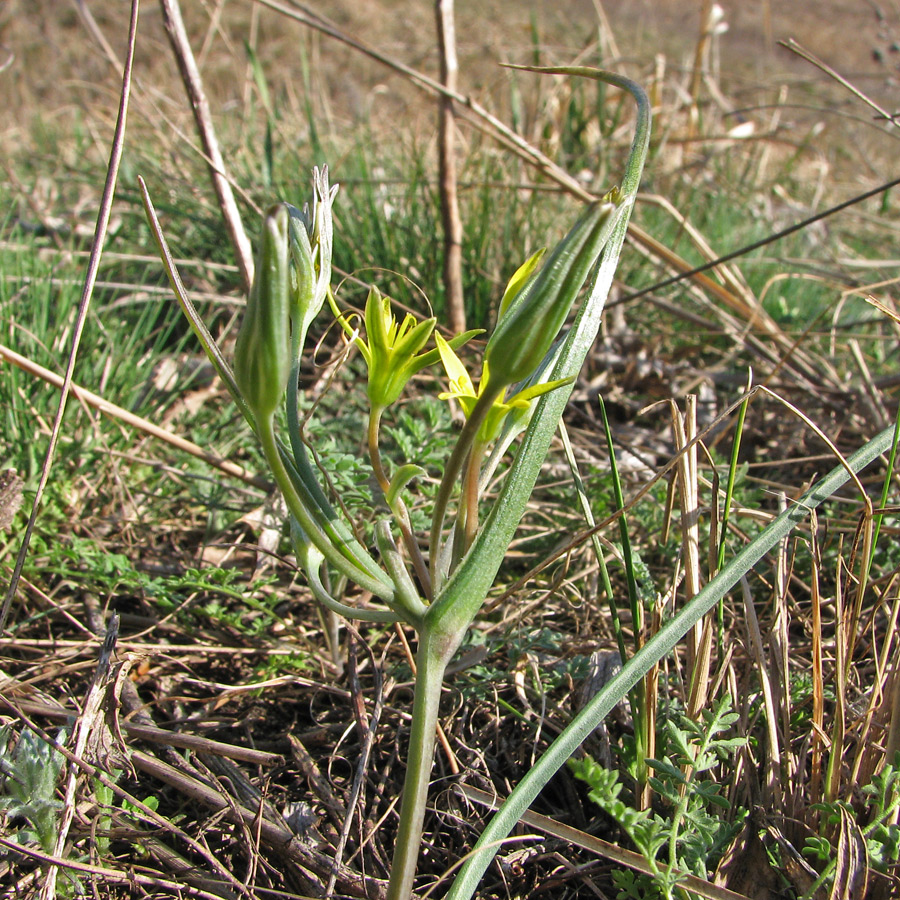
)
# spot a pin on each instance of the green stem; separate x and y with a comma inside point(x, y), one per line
point(406, 598)
point(327, 519)
point(431, 659)
point(372, 434)
point(398, 508)
point(452, 471)
point(295, 434)
point(309, 524)
point(293, 397)
point(311, 560)
point(299, 463)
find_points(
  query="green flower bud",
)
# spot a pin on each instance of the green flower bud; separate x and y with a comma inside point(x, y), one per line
point(262, 357)
point(311, 242)
point(533, 318)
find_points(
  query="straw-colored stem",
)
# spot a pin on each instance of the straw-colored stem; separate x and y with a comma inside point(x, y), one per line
point(193, 84)
point(469, 499)
point(447, 181)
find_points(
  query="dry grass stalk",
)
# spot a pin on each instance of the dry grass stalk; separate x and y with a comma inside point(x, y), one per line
point(818, 736)
point(453, 228)
point(757, 652)
point(95, 401)
point(193, 84)
point(699, 644)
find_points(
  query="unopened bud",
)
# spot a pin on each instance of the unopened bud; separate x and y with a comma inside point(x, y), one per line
point(262, 352)
point(311, 243)
point(530, 323)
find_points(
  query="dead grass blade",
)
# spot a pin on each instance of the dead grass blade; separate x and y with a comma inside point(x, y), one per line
point(153, 735)
point(746, 866)
point(699, 639)
point(869, 755)
point(851, 870)
point(803, 53)
point(773, 763)
point(113, 876)
point(892, 748)
point(274, 835)
point(839, 724)
point(818, 675)
point(100, 230)
point(89, 724)
point(141, 424)
point(779, 664)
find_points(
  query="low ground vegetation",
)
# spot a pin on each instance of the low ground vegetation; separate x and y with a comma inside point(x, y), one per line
point(241, 726)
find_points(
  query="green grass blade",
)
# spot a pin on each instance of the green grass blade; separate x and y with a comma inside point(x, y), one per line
point(732, 475)
point(588, 514)
point(634, 599)
point(885, 490)
point(654, 650)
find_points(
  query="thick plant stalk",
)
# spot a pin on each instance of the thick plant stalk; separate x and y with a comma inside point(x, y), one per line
point(431, 662)
point(453, 230)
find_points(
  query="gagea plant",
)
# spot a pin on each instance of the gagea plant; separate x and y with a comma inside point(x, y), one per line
point(436, 583)
point(529, 364)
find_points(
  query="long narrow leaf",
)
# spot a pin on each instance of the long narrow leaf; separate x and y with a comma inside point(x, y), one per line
point(652, 652)
point(465, 591)
point(197, 324)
